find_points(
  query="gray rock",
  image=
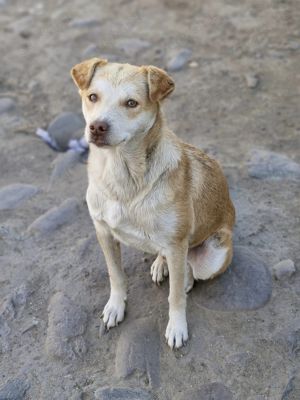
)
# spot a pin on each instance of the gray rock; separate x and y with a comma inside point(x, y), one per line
point(293, 46)
point(265, 164)
point(292, 389)
point(12, 196)
point(284, 269)
point(179, 60)
point(66, 325)
point(6, 105)
point(212, 391)
point(20, 295)
point(64, 127)
point(252, 80)
point(132, 46)
point(122, 394)
point(138, 350)
point(14, 390)
point(84, 23)
point(246, 285)
point(55, 217)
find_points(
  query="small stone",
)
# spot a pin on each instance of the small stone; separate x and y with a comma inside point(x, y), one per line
point(84, 23)
point(65, 127)
point(246, 285)
point(122, 394)
point(212, 391)
point(6, 105)
point(138, 350)
point(284, 269)
point(179, 60)
point(55, 217)
point(193, 64)
point(293, 46)
point(265, 164)
point(66, 325)
point(252, 80)
point(14, 390)
point(132, 46)
point(12, 196)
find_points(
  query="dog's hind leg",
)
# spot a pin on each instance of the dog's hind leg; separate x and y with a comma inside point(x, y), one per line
point(213, 256)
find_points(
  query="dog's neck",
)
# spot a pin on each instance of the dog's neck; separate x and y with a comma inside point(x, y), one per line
point(138, 152)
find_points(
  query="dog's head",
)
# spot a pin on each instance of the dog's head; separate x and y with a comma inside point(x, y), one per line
point(119, 101)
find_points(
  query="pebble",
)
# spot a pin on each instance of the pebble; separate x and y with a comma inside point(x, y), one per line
point(246, 285)
point(264, 164)
point(284, 269)
point(252, 80)
point(12, 196)
point(64, 127)
point(212, 391)
point(133, 46)
point(179, 60)
point(138, 350)
point(14, 390)
point(6, 105)
point(193, 64)
point(84, 23)
point(122, 394)
point(55, 217)
point(66, 325)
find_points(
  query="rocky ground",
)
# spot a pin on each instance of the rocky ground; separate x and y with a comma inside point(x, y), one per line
point(236, 67)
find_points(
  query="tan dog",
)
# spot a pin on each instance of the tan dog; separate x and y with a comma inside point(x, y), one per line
point(150, 190)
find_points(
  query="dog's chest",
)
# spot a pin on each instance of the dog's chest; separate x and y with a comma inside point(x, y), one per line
point(146, 225)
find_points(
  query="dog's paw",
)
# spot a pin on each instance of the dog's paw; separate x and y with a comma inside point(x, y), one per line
point(177, 331)
point(159, 270)
point(114, 311)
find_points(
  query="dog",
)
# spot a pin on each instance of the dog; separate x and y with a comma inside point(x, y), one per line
point(149, 189)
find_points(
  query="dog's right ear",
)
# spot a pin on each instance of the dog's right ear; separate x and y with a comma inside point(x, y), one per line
point(83, 73)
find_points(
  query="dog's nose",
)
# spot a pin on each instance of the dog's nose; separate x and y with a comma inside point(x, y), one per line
point(99, 127)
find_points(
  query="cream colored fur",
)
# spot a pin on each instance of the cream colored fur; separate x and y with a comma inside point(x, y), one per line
point(150, 190)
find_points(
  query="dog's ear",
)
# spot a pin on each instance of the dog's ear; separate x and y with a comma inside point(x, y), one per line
point(160, 83)
point(83, 73)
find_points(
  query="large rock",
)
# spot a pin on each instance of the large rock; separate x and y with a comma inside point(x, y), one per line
point(66, 325)
point(246, 285)
point(122, 394)
point(265, 164)
point(14, 390)
point(55, 217)
point(64, 127)
point(14, 195)
point(138, 350)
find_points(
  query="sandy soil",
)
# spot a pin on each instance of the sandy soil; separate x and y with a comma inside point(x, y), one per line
point(53, 280)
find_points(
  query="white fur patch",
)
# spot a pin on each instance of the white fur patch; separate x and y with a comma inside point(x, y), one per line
point(206, 260)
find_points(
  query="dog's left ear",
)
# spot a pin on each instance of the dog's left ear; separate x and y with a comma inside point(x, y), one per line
point(83, 73)
point(160, 83)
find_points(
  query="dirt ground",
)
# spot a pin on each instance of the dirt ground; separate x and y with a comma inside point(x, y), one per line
point(237, 93)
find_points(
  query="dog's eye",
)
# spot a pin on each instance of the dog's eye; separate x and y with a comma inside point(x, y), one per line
point(93, 97)
point(131, 103)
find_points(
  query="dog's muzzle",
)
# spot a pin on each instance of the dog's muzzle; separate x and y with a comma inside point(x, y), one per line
point(98, 133)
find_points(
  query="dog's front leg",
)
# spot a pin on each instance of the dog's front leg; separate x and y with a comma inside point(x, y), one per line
point(114, 310)
point(177, 331)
